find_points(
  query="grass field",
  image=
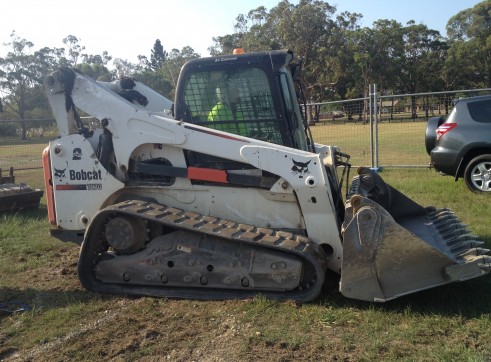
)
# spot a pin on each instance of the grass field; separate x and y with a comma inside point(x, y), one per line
point(65, 322)
point(399, 143)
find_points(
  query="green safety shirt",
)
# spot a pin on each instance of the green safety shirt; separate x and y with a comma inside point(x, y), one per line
point(223, 112)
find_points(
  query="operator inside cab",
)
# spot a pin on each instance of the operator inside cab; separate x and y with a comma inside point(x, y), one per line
point(236, 100)
point(227, 109)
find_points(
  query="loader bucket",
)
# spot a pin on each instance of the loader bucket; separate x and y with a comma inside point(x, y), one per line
point(392, 246)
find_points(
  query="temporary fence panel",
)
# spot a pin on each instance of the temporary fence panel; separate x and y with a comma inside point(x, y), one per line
point(344, 124)
point(22, 141)
point(384, 131)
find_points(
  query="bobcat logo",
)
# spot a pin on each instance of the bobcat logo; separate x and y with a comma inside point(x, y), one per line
point(300, 168)
point(60, 173)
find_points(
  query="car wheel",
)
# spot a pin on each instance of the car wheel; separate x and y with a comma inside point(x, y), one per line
point(477, 174)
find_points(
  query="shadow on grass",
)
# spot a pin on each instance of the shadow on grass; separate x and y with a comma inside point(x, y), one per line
point(468, 299)
point(38, 213)
point(19, 301)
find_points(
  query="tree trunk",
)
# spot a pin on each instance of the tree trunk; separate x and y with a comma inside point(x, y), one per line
point(23, 129)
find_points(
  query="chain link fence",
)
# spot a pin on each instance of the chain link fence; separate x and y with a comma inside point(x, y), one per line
point(22, 143)
point(377, 131)
point(383, 131)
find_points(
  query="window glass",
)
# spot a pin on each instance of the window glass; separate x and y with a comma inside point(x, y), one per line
point(293, 111)
point(480, 111)
point(238, 101)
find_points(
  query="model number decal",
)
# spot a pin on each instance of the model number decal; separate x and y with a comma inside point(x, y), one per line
point(85, 187)
point(94, 187)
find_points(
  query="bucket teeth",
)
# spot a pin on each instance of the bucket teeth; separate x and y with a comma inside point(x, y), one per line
point(439, 219)
point(455, 238)
point(447, 222)
point(461, 245)
point(452, 239)
point(453, 229)
point(474, 252)
point(439, 212)
point(465, 245)
point(485, 265)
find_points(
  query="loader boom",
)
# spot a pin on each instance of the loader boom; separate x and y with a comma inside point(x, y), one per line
point(228, 195)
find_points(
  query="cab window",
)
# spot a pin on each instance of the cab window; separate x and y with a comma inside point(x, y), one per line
point(238, 101)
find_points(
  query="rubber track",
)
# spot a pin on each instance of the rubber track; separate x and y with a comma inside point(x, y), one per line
point(312, 255)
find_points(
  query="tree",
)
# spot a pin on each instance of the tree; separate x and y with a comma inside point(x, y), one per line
point(162, 71)
point(155, 79)
point(21, 74)
point(97, 59)
point(75, 53)
point(158, 55)
point(334, 68)
point(469, 59)
point(123, 68)
point(96, 71)
point(74, 49)
point(473, 23)
point(163, 80)
point(175, 60)
point(422, 60)
point(423, 50)
point(226, 44)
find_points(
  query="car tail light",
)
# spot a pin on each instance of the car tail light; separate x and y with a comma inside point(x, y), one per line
point(444, 128)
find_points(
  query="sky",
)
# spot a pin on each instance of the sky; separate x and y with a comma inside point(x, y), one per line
point(126, 29)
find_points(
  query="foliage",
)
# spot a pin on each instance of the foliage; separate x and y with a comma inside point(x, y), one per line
point(340, 58)
point(155, 79)
point(158, 55)
point(96, 71)
point(22, 71)
point(468, 63)
point(7, 130)
point(20, 74)
point(423, 57)
point(163, 79)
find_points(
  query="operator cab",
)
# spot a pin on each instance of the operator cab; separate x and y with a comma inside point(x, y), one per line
point(251, 95)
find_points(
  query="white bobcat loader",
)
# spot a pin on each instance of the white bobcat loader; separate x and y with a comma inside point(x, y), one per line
point(223, 194)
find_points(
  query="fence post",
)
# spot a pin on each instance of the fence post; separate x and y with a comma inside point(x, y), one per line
point(375, 111)
point(372, 100)
point(370, 113)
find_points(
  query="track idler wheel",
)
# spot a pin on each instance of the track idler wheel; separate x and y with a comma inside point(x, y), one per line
point(125, 234)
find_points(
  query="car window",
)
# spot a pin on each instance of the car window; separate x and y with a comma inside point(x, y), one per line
point(480, 111)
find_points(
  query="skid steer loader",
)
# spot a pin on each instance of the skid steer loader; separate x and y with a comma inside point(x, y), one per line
point(223, 193)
